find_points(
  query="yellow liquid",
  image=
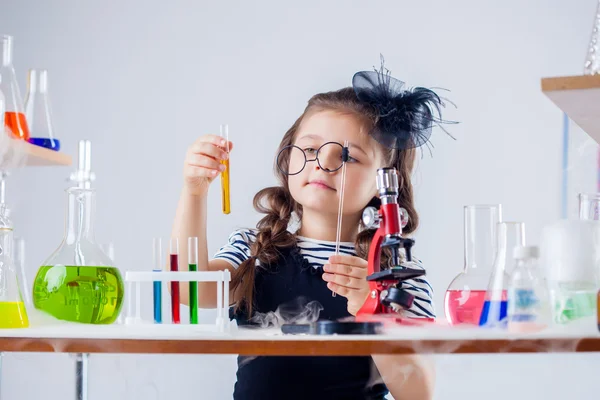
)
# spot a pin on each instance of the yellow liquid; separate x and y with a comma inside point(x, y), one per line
point(13, 315)
point(225, 188)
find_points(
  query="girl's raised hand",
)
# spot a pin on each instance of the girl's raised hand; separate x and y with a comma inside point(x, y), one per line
point(203, 163)
point(346, 276)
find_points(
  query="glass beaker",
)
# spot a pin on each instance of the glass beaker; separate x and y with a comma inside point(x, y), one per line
point(14, 115)
point(79, 282)
point(509, 235)
point(465, 295)
point(38, 111)
point(589, 206)
point(12, 308)
point(571, 259)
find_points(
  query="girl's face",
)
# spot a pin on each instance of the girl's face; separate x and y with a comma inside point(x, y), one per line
point(315, 188)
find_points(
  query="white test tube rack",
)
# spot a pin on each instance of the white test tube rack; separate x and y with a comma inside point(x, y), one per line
point(221, 278)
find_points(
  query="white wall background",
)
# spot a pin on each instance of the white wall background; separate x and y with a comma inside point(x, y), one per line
point(143, 79)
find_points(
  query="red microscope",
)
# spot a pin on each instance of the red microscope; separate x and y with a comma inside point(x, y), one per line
point(387, 299)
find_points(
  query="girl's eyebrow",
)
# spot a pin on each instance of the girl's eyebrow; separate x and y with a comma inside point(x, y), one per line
point(352, 145)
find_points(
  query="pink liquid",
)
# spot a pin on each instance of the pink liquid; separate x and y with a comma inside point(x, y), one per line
point(464, 306)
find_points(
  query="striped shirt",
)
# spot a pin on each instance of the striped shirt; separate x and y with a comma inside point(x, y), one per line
point(317, 252)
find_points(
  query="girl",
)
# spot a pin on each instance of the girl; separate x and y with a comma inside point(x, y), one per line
point(274, 266)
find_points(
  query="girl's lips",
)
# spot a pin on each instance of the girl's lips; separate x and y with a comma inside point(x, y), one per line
point(320, 184)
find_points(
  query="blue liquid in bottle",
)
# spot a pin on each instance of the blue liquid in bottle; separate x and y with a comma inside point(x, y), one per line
point(493, 312)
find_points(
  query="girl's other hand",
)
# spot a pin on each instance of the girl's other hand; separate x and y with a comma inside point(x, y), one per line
point(346, 276)
point(203, 163)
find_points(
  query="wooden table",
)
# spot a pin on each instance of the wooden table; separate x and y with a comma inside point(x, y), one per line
point(190, 339)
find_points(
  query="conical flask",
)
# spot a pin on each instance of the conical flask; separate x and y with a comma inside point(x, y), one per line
point(592, 60)
point(79, 282)
point(14, 115)
point(38, 111)
point(465, 295)
point(509, 235)
point(12, 308)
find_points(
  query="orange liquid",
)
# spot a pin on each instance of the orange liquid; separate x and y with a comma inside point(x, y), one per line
point(225, 188)
point(17, 124)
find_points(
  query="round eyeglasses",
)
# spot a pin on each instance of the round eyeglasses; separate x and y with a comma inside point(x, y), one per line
point(330, 157)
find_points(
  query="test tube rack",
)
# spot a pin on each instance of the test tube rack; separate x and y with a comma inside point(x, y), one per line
point(134, 280)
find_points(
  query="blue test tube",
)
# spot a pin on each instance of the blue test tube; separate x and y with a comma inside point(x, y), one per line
point(157, 289)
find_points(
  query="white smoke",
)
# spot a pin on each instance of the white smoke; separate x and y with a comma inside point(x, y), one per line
point(13, 153)
point(298, 311)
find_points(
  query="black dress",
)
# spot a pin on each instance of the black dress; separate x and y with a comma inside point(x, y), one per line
point(302, 377)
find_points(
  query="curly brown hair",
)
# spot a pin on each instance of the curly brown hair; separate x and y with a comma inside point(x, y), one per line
point(278, 205)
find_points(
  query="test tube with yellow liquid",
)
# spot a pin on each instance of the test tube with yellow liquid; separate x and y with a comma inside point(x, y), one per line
point(225, 194)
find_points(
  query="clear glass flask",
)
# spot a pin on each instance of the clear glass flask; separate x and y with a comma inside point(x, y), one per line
point(78, 282)
point(589, 206)
point(592, 60)
point(38, 111)
point(528, 296)
point(509, 235)
point(13, 313)
point(14, 114)
point(465, 295)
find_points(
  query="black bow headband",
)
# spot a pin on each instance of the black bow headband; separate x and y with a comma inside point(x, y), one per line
point(405, 116)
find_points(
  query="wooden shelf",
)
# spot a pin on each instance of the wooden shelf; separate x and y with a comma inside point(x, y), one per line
point(39, 156)
point(153, 339)
point(15, 153)
point(579, 98)
point(297, 347)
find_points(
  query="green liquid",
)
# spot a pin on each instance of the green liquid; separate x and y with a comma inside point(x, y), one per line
point(193, 297)
point(91, 295)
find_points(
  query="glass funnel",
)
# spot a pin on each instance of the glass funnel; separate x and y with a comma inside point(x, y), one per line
point(509, 235)
point(78, 282)
point(14, 115)
point(465, 295)
point(12, 308)
point(38, 111)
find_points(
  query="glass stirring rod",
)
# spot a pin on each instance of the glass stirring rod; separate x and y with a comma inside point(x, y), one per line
point(338, 236)
point(225, 195)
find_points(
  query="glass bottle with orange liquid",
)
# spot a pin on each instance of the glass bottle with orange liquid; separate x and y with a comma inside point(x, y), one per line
point(12, 308)
point(14, 115)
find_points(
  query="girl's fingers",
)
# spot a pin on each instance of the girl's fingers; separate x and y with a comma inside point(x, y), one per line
point(345, 281)
point(341, 290)
point(349, 260)
point(344, 269)
point(198, 160)
point(200, 172)
point(210, 150)
point(214, 140)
